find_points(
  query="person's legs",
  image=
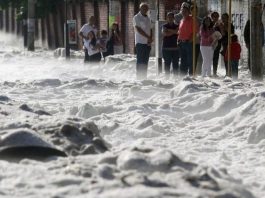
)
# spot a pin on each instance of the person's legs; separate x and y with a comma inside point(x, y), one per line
point(204, 62)
point(189, 58)
point(234, 66)
point(167, 60)
point(209, 60)
point(226, 68)
point(86, 56)
point(186, 58)
point(226, 63)
point(175, 61)
point(95, 57)
point(142, 55)
point(216, 59)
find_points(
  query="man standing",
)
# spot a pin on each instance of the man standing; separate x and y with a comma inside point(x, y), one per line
point(143, 40)
point(185, 40)
point(83, 33)
point(170, 48)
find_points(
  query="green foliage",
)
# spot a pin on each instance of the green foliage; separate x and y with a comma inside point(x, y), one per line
point(15, 3)
point(43, 7)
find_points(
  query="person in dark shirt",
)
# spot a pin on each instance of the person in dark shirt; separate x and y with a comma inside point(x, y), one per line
point(224, 40)
point(170, 47)
point(216, 26)
point(247, 35)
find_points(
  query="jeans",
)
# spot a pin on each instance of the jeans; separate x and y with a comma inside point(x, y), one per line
point(142, 56)
point(86, 56)
point(216, 58)
point(171, 56)
point(234, 68)
point(186, 58)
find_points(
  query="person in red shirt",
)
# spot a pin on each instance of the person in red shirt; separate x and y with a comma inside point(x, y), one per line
point(234, 55)
point(185, 40)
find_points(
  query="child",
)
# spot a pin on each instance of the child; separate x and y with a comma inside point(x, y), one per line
point(92, 46)
point(103, 40)
point(234, 55)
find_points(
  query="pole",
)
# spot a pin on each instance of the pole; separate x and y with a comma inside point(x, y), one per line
point(25, 32)
point(158, 8)
point(256, 34)
point(31, 25)
point(159, 58)
point(229, 40)
point(66, 34)
point(194, 13)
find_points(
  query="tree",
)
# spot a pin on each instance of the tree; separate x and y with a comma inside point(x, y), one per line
point(43, 7)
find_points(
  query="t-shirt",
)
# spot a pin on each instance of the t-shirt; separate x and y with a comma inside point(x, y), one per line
point(170, 41)
point(235, 52)
point(206, 37)
point(186, 28)
point(87, 28)
point(103, 42)
point(91, 50)
point(144, 23)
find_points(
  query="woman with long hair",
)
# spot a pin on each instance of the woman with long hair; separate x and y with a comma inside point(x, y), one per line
point(116, 39)
point(92, 46)
point(206, 32)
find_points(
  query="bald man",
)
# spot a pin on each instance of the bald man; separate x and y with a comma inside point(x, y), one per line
point(143, 40)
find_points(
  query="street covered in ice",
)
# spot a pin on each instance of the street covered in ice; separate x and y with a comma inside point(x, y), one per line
point(183, 137)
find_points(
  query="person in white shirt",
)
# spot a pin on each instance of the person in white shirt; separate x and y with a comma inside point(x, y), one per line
point(84, 32)
point(92, 46)
point(143, 40)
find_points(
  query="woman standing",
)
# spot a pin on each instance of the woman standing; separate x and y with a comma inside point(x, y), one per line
point(92, 45)
point(116, 39)
point(206, 48)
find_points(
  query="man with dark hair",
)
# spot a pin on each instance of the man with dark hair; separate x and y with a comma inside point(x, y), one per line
point(216, 26)
point(170, 48)
point(224, 40)
point(247, 35)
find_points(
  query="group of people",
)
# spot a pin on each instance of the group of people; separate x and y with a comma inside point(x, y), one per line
point(211, 40)
point(97, 45)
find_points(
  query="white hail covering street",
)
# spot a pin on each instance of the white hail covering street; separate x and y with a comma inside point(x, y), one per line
point(182, 137)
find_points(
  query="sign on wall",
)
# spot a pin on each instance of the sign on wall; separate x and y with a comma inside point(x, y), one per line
point(72, 31)
point(114, 12)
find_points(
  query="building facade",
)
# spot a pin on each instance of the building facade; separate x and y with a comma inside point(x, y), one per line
point(49, 31)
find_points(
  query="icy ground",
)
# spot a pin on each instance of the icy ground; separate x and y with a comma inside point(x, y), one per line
point(180, 137)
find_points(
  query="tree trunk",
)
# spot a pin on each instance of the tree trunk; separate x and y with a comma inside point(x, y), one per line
point(256, 34)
